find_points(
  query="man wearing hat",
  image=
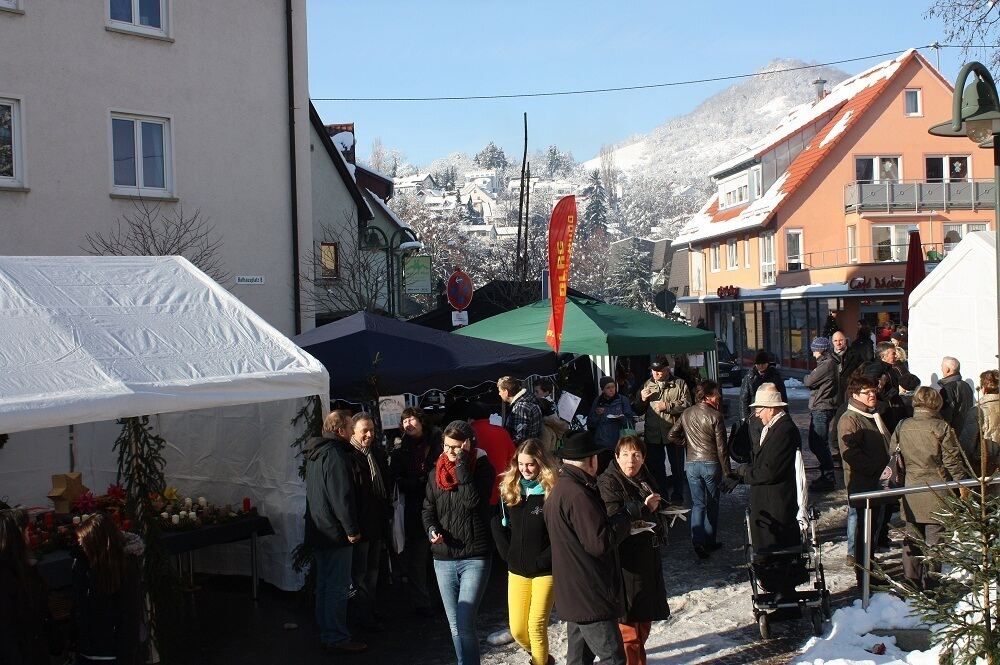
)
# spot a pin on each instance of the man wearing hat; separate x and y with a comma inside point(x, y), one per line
point(662, 399)
point(823, 384)
point(587, 589)
point(763, 371)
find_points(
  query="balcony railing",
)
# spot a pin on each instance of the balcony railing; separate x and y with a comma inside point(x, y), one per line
point(880, 253)
point(918, 195)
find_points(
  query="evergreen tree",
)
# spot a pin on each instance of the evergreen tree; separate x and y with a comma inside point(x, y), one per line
point(595, 219)
point(629, 282)
point(492, 157)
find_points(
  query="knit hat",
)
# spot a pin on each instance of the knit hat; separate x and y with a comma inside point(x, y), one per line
point(820, 344)
point(605, 381)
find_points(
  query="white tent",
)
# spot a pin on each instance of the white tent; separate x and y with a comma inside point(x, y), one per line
point(86, 340)
point(953, 312)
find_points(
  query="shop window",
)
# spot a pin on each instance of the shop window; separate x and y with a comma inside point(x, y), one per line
point(793, 249)
point(946, 168)
point(890, 242)
point(876, 169)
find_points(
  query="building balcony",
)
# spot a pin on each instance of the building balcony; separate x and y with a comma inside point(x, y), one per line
point(866, 254)
point(918, 195)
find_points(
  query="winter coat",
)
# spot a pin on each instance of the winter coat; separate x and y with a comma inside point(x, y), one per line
point(675, 393)
point(989, 407)
point(523, 419)
point(958, 400)
point(553, 429)
point(823, 383)
point(607, 430)
point(889, 405)
point(107, 625)
point(584, 540)
point(703, 430)
point(496, 443)
point(373, 511)
point(863, 448)
point(643, 589)
point(409, 465)
point(23, 638)
point(521, 537)
point(753, 380)
point(331, 494)
point(847, 362)
point(773, 495)
point(931, 455)
point(461, 515)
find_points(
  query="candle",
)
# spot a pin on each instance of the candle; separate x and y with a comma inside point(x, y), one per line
point(165, 515)
point(193, 516)
point(175, 519)
point(187, 502)
point(202, 501)
point(183, 514)
point(76, 520)
point(246, 504)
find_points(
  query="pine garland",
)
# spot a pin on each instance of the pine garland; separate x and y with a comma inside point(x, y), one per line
point(311, 414)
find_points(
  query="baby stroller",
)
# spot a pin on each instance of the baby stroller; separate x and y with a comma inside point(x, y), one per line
point(803, 562)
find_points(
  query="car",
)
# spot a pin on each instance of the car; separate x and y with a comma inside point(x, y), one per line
point(730, 368)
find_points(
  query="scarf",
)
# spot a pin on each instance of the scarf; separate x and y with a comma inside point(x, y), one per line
point(377, 485)
point(870, 416)
point(418, 453)
point(445, 472)
point(767, 427)
point(528, 488)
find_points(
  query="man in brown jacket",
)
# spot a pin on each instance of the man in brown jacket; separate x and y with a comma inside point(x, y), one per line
point(864, 447)
point(702, 430)
point(662, 398)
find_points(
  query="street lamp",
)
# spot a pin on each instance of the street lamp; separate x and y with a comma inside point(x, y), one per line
point(375, 238)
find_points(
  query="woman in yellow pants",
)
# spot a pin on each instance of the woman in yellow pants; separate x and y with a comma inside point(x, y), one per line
point(523, 542)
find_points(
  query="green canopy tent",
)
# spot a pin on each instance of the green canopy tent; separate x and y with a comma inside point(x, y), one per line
point(595, 329)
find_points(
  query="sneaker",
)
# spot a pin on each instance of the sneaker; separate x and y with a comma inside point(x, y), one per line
point(347, 647)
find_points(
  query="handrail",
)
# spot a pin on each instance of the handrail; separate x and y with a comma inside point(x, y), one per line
point(890, 493)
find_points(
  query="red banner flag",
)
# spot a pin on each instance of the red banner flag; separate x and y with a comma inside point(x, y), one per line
point(562, 228)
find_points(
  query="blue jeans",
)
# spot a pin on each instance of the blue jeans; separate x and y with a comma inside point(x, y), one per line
point(462, 583)
point(333, 585)
point(704, 479)
point(852, 526)
point(819, 438)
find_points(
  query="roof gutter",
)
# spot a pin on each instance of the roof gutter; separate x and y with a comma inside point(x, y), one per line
point(293, 170)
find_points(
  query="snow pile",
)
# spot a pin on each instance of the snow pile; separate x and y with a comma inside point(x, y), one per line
point(795, 389)
point(343, 140)
point(837, 129)
point(850, 638)
point(792, 384)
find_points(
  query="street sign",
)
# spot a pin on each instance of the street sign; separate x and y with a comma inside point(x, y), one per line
point(459, 290)
point(459, 319)
point(665, 301)
point(249, 279)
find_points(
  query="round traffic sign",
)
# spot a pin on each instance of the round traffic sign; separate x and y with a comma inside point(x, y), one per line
point(459, 290)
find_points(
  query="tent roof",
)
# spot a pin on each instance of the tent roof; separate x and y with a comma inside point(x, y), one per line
point(94, 338)
point(593, 328)
point(977, 241)
point(412, 358)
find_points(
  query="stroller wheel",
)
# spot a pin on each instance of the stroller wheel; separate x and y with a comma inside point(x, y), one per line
point(817, 622)
point(764, 625)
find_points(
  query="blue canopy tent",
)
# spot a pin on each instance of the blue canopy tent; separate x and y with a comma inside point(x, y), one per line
point(404, 357)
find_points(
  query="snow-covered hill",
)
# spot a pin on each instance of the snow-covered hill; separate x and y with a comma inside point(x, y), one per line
point(684, 149)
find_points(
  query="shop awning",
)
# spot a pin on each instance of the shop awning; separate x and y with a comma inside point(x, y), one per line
point(832, 290)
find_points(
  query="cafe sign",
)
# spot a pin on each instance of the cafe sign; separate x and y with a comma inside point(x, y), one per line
point(728, 291)
point(876, 283)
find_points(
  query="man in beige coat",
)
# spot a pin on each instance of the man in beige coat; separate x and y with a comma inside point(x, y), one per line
point(662, 398)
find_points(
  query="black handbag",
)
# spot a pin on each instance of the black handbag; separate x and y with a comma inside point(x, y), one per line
point(894, 475)
point(739, 442)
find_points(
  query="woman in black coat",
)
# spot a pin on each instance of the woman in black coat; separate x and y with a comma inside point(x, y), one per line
point(23, 604)
point(627, 480)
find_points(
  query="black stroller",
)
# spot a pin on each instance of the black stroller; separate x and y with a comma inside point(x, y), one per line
point(805, 562)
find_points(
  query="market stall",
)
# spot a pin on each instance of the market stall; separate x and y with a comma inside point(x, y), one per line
point(88, 340)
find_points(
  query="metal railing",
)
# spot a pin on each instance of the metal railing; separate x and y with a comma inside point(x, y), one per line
point(889, 494)
point(880, 253)
point(918, 195)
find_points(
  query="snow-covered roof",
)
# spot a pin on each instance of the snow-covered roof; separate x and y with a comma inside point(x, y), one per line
point(381, 204)
point(343, 140)
point(412, 180)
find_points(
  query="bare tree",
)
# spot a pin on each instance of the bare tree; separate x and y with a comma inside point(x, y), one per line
point(609, 175)
point(972, 24)
point(151, 231)
point(343, 273)
point(379, 157)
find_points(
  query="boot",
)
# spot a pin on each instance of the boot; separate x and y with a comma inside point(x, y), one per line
point(826, 482)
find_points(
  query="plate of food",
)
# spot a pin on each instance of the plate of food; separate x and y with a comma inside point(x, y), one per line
point(638, 526)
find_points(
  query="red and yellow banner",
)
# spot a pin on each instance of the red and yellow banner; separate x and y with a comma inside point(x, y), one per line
point(562, 228)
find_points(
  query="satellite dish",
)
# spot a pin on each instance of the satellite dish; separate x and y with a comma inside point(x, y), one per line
point(665, 301)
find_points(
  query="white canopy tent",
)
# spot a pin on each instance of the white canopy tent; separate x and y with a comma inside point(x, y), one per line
point(953, 312)
point(87, 340)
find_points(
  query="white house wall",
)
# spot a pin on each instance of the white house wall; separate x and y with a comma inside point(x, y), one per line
point(221, 81)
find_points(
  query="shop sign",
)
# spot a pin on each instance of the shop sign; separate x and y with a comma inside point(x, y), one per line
point(880, 283)
point(728, 291)
point(417, 274)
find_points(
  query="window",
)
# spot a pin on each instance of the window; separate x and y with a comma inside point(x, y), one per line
point(732, 255)
point(768, 271)
point(746, 252)
point(793, 249)
point(757, 177)
point(852, 244)
point(876, 169)
point(147, 17)
point(329, 258)
point(140, 155)
point(890, 242)
point(714, 258)
point(735, 190)
point(13, 5)
point(912, 101)
point(11, 150)
point(946, 168)
point(953, 233)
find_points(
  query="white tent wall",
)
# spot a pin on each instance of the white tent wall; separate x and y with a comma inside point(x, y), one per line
point(953, 312)
point(223, 454)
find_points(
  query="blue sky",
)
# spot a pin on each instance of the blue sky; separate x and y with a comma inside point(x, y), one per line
point(378, 48)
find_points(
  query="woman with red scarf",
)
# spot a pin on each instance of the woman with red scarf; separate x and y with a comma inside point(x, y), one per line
point(457, 523)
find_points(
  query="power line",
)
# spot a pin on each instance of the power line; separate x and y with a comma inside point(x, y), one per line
point(591, 91)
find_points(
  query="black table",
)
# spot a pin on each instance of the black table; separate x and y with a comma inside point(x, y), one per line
point(56, 567)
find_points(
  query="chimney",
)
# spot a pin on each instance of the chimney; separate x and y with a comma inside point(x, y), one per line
point(344, 131)
point(820, 88)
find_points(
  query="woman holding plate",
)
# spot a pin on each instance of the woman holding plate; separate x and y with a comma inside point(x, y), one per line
point(627, 480)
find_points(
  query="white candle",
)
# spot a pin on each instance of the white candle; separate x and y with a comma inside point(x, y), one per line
point(183, 514)
point(202, 501)
point(187, 502)
point(175, 519)
point(165, 515)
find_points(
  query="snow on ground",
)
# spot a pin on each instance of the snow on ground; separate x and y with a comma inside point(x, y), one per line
point(794, 388)
point(850, 639)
